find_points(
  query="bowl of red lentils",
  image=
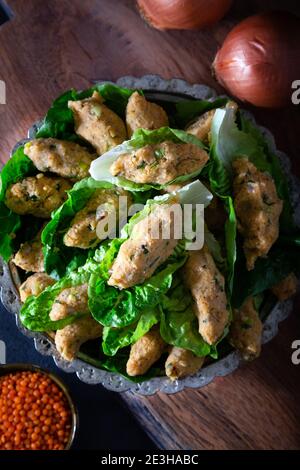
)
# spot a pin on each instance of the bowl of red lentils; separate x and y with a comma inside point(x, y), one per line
point(36, 410)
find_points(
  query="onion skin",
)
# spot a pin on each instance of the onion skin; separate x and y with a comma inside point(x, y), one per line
point(260, 58)
point(183, 14)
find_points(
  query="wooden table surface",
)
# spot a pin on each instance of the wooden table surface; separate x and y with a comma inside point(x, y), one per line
point(48, 47)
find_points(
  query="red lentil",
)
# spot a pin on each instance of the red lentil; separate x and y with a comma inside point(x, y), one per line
point(34, 413)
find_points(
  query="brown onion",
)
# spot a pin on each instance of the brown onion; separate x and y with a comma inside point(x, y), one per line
point(183, 14)
point(260, 58)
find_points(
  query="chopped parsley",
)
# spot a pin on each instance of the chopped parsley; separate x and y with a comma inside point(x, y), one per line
point(159, 153)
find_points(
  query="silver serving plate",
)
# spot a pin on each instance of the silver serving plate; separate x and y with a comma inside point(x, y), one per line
point(156, 88)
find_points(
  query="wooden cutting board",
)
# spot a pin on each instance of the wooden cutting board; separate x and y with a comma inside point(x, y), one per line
point(48, 47)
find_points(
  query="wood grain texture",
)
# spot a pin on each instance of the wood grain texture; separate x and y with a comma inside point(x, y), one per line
point(48, 47)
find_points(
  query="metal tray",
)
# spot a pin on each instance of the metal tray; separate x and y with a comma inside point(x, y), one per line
point(157, 89)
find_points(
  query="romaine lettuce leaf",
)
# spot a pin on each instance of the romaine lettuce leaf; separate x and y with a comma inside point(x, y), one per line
point(179, 325)
point(16, 168)
point(59, 122)
point(292, 240)
point(120, 308)
point(92, 354)
point(271, 163)
point(279, 263)
point(192, 193)
point(230, 142)
point(114, 308)
point(215, 250)
point(100, 168)
point(10, 223)
point(227, 142)
point(187, 111)
point(230, 230)
point(34, 313)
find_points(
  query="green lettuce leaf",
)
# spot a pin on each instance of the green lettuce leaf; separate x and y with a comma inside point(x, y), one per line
point(92, 354)
point(35, 312)
point(16, 168)
point(187, 111)
point(220, 182)
point(215, 249)
point(230, 142)
point(114, 308)
point(179, 325)
point(192, 193)
point(100, 168)
point(13, 230)
point(292, 240)
point(279, 263)
point(270, 163)
point(118, 309)
point(58, 258)
point(10, 223)
point(117, 338)
point(230, 240)
point(59, 122)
